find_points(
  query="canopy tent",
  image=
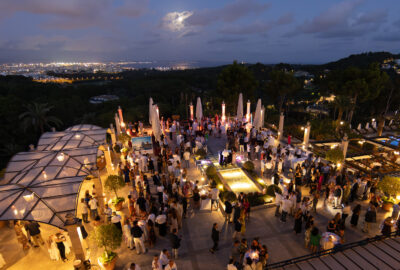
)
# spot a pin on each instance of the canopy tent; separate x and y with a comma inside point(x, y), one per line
point(44, 185)
point(199, 110)
point(240, 108)
point(257, 115)
point(73, 137)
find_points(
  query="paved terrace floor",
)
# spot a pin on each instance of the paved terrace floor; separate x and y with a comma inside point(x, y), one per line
point(279, 237)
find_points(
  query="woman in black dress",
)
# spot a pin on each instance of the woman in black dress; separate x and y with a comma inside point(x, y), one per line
point(298, 220)
point(60, 239)
point(355, 215)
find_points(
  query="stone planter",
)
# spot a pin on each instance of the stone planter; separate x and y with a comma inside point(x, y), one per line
point(110, 265)
point(118, 206)
point(387, 206)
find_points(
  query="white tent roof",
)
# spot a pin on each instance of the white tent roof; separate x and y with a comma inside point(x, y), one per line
point(74, 137)
point(43, 185)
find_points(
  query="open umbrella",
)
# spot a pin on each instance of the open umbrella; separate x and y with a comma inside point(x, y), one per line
point(240, 108)
point(199, 110)
point(257, 116)
point(155, 123)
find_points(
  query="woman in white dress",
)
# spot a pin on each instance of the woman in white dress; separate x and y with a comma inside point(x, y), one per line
point(126, 230)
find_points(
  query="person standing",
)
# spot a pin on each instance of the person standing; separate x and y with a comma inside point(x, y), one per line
point(59, 239)
point(298, 218)
point(186, 158)
point(107, 213)
point(286, 205)
point(171, 265)
point(175, 243)
point(278, 200)
point(137, 234)
point(228, 211)
point(214, 197)
point(238, 229)
point(214, 237)
point(396, 211)
point(156, 264)
point(355, 215)
point(235, 253)
point(32, 228)
point(370, 217)
point(84, 211)
point(164, 258)
point(93, 208)
point(116, 220)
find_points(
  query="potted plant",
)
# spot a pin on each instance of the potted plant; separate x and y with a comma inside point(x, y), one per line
point(124, 138)
point(109, 237)
point(113, 183)
point(390, 186)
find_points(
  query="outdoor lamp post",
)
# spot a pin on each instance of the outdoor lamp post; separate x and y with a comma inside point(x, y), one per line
point(307, 135)
point(121, 119)
point(191, 111)
point(223, 112)
point(248, 111)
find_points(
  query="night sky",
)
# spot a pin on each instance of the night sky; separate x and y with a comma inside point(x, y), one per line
point(307, 31)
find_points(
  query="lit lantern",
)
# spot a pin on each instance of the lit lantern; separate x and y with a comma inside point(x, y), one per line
point(191, 111)
point(223, 112)
point(121, 119)
point(248, 111)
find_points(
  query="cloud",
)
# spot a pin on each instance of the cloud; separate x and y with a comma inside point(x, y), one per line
point(331, 18)
point(133, 8)
point(378, 16)
point(228, 13)
point(175, 21)
point(340, 21)
point(285, 19)
point(226, 40)
point(258, 27)
point(74, 14)
point(397, 23)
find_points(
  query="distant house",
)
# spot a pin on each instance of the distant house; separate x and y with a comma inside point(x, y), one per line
point(302, 73)
point(102, 99)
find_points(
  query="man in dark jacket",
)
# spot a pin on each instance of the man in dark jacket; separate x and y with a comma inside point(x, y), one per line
point(228, 211)
point(370, 217)
point(137, 234)
point(33, 229)
point(236, 213)
point(175, 243)
point(215, 237)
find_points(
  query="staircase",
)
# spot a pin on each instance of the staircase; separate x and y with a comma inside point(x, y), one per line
point(376, 253)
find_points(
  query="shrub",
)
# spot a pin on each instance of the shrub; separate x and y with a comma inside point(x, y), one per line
point(114, 183)
point(335, 155)
point(255, 198)
point(117, 148)
point(230, 196)
point(248, 166)
point(108, 237)
point(201, 153)
point(211, 171)
point(271, 189)
point(390, 185)
point(124, 138)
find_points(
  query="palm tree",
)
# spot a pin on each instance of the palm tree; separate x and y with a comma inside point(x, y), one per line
point(36, 117)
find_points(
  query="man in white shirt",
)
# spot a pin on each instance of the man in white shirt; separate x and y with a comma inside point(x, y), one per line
point(164, 260)
point(278, 199)
point(107, 213)
point(84, 211)
point(214, 197)
point(186, 157)
point(286, 205)
point(171, 266)
point(93, 208)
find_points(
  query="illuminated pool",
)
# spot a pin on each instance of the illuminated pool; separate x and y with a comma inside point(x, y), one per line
point(238, 181)
point(392, 140)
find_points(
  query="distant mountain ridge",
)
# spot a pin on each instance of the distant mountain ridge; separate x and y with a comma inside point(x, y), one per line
point(360, 60)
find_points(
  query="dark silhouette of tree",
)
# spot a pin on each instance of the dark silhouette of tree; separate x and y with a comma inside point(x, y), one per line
point(36, 116)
